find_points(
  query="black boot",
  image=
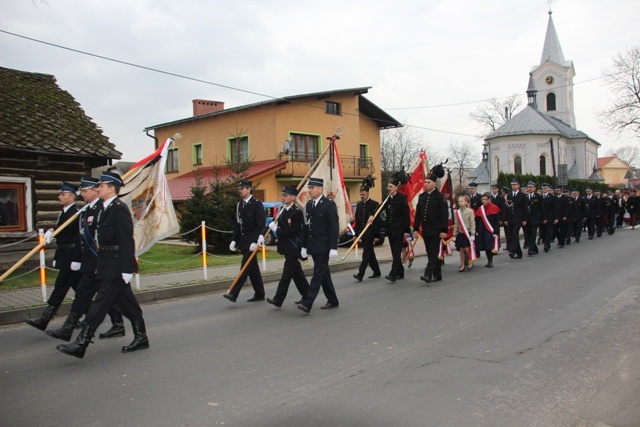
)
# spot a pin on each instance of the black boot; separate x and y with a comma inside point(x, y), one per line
point(140, 340)
point(117, 327)
point(79, 346)
point(65, 332)
point(44, 319)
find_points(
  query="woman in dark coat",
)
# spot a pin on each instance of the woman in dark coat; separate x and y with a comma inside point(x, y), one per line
point(487, 229)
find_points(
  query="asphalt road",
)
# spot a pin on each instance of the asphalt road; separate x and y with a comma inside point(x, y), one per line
point(552, 340)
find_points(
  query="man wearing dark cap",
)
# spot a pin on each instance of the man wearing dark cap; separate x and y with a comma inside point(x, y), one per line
point(320, 240)
point(474, 198)
point(578, 214)
point(247, 236)
point(549, 219)
point(505, 226)
point(398, 227)
point(516, 218)
point(612, 211)
point(600, 212)
point(633, 206)
point(590, 212)
point(114, 269)
point(571, 210)
point(288, 228)
point(534, 214)
point(562, 213)
point(432, 218)
point(67, 257)
point(365, 209)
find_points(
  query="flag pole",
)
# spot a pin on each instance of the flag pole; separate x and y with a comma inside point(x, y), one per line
point(355, 241)
point(59, 229)
point(300, 185)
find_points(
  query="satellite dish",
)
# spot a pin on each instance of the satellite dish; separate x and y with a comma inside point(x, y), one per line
point(286, 148)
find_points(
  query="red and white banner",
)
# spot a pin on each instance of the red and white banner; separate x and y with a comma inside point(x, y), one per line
point(415, 186)
point(146, 193)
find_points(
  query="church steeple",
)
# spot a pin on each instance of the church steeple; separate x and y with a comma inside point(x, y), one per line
point(552, 51)
point(532, 92)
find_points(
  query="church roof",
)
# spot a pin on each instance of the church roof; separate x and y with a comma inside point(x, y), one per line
point(531, 121)
point(575, 172)
point(480, 174)
point(552, 51)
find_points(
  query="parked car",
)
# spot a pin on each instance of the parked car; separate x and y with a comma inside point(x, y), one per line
point(348, 235)
point(270, 211)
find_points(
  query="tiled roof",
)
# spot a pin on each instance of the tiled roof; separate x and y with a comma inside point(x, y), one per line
point(602, 161)
point(180, 187)
point(531, 121)
point(36, 115)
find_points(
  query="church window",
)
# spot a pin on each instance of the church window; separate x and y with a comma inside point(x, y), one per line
point(551, 102)
point(543, 165)
point(517, 165)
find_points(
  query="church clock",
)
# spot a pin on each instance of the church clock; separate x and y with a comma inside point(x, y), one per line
point(549, 80)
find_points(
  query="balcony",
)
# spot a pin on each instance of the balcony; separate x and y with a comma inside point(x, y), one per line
point(352, 166)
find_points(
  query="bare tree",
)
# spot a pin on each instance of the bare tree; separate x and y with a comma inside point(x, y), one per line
point(629, 153)
point(399, 147)
point(623, 79)
point(462, 155)
point(495, 113)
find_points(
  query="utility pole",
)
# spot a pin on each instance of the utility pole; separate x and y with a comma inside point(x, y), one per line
point(553, 162)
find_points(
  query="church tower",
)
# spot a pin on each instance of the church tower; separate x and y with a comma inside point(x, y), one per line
point(554, 79)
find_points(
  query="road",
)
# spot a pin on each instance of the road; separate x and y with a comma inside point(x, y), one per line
point(552, 340)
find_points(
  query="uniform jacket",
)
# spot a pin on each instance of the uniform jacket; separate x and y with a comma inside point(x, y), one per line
point(398, 220)
point(516, 208)
point(87, 225)
point(534, 202)
point(571, 209)
point(432, 214)
point(549, 208)
point(68, 240)
point(590, 206)
point(498, 200)
point(363, 211)
point(562, 207)
point(579, 212)
point(249, 224)
point(320, 233)
point(115, 229)
point(475, 201)
point(290, 224)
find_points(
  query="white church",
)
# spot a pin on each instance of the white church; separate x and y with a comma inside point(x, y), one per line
point(542, 138)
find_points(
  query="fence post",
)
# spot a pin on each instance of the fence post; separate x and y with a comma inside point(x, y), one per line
point(264, 258)
point(43, 270)
point(137, 274)
point(356, 251)
point(204, 250)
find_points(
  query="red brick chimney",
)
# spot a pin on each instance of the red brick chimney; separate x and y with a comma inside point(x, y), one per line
point(203, 106)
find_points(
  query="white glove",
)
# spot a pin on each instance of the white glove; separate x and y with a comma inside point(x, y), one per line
point(261, 240)
point(75, 266)
point(232, 246)
point(333, 253)
point(273, 226)
point(54, 263)
point(47, 236)
point(253, 247)
point(127, 277)
point(472, 239)
point(303, 252)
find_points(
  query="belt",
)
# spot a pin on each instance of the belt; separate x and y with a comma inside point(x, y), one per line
point(87, 248)
point(103, 248)
point(69, 246)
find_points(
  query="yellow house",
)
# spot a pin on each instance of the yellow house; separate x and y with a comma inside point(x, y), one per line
point(614, 170)
point(257, 133)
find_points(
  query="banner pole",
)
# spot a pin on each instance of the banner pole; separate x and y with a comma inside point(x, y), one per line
point(204, 250)
point(43, 270)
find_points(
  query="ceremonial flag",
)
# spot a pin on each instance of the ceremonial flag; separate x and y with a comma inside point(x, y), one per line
point(146, 193)
point(415, 186)
point(330, 170)
point(447, 190)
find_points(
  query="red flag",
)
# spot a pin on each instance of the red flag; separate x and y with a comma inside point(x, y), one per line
point(415, 186)
point(447, 189)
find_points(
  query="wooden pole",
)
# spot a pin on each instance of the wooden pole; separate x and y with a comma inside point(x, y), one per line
point(355, 241)
point(302, 182)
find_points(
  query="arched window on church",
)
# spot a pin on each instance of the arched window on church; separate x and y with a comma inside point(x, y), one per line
point(517, 165)
point(496, 167)
point(551, 102)
point(543, 165)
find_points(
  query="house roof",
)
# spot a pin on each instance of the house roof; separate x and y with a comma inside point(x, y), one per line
point(37, 115)
point(602, 161)
point(180, 187)
point(368, 108)
point(531, 121)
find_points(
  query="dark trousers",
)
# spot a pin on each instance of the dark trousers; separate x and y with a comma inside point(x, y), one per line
point(434, 266)
point(600, 224)
point(547, 232)
point(531, 233)
point(291, 270)
point(514, 239)
point(66, 279)
point(591, 226)
point(577, 229)
point(321, 278)
point(253, 272)
point(113, 290)
point(507, 236)
point(395, 244)
point(568, 232)
point(368, 258)
point(87, 288)
point(561, 232)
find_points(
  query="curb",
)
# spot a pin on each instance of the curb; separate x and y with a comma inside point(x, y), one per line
point(18, 315)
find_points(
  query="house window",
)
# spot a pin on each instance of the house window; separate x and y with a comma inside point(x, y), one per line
point(197, 154)
point(543, 165)
point(13, 208)
point(304, 147)
point(173, 165)
point(239, 149)
point(332, 108)
point(517, 165)
point(365, 160)
point(551, 102)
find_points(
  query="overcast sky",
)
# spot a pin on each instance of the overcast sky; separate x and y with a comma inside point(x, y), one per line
point(416, 55)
